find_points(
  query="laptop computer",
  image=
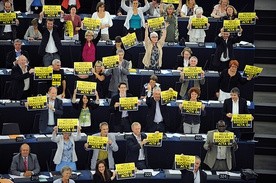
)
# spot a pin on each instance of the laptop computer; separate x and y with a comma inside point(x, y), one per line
point(247, 136)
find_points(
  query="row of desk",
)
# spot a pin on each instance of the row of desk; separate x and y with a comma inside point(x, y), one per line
point(170, 146)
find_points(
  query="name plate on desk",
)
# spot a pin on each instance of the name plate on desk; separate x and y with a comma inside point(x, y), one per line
point(173, 174)
point(223, 176)
point(146, 72)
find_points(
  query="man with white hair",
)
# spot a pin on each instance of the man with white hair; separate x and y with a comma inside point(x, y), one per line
point(59, 79)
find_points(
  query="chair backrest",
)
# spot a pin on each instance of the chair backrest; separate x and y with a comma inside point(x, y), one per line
point(50, 163)
point(6, 89)
point(10, 129)
point(42, 87)
point(140, 59)
point(177, 87)
point(35, 127)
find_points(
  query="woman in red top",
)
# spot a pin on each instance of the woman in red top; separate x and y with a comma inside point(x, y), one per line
point(89, 46)
point(76, 21)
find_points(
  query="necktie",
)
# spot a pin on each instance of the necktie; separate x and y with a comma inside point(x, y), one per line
point(225, 49)
point(25, 163)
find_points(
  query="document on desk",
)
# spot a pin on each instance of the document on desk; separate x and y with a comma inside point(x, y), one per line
point(232, 174)
point(208, 172)
point(175, 172)
point(165, 71)
point(3, 137)
point(17, 176)
point(39, 136)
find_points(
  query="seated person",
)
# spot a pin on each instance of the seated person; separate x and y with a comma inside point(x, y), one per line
point(154, 9)
point(219, 9)
point(102, 173)
point(12, 56)
point(25, 163)
point(32, 32)
point(152, 84)
point(66, 173)
point(184, 62)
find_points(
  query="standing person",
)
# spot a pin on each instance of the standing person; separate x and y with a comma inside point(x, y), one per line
point(85, 109)
point(153, 47)
point(66, 173)
point(105, 19)
point(157, 115)
point(50, 46)
point(228, 79)
point(224, 49)
point(99, 77)
point(59, 80)
point(67, 3)
point(102, 155)
point(135, 150)
point(21, 79)
point(219, 158)
point(149, 86)
point(32, 32)
point(135, 19)
point(197, 35)
point(8, 32)
point(25, 163)
point(102, 173)
point(219, 9)
point(119, 45)
point(191, 123)
point(154, 10)
point(196, 176)
point(121, 120)
point(187, 84)
point(186, 55)
point(89, 46)
point(48, 118)
point(231, 13)
point(65, 154)
point(118, 74)
point(76, 21)
point(188, 9)
point(234, 105)
point(12, 56)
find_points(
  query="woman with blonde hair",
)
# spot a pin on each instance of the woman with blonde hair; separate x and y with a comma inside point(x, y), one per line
point(219, 9)
point(188, 9)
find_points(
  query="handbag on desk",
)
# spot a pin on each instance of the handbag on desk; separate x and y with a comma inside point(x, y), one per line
point(248, 174)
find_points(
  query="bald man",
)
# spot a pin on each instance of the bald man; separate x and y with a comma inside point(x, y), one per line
point(21, 77)
point(25, 163)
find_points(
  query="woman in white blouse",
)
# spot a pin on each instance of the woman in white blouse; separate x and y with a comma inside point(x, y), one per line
point(220, 9)
point(106, 20)
point(188, 8)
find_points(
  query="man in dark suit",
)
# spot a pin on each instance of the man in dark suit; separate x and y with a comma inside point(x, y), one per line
point(157, 115)
point(25, 163)
point(224, 49)
point(21, 78)
point(50, 46)
point(8, 31)
point(120, 120)
point(12, 56)
point(48, 118)
point(234, 105)
point(135, 150)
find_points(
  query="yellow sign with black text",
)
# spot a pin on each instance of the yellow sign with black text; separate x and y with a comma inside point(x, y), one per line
point(171, 1)
point(86, 88)
point(91, 24)
point(242, 120)
point(56, 80)
point(111, 61)
point(43, 73)
point(223, 138)
point(247, 18)
point(67, 124)
point(192, 73)
point(125, 171)
point(191, 107)
point(128, 104)
point(97, 142)
point(154, 139)
point(129, 40)
point(252, 71)
point(7, 18)
point(168, 96)
point(232, 26)
point(182, 161)
point(156, 24)
point(200, 23)
point(37, 103)
point(69, 29)
point(52, 11)
point(83, 68)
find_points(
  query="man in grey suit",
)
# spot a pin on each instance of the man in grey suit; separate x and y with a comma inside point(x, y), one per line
point(25, 163)
point(112, 146)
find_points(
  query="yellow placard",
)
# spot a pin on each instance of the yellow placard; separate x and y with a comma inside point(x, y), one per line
point(182, 161)
point(129, 40)
point(192, 73)
point(111, 61)
point(83, 68)
point(91, 24)
point(156, 24)
point(231, 26)
point(168, 96)
point(86, 88)
point(67, 124)
point(37, 103)
point(97, 142)
point(252, 71)
point(43, 73)
point(56, 80)
point(69, 29)
point(128, 104)
point(191, 107)
point(200, 23)
point(247, 18)
point(7, 18)
point(52, 11)
point(171, 1)
point(125, 171)
point(154, 139)
point(242, 120)
point(223, 138)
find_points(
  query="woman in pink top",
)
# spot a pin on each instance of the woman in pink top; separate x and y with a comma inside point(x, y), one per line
point(220, 9)
point(89, 46)
point(76, 21)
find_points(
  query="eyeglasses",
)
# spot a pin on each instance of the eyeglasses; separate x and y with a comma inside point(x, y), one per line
point(222, 126)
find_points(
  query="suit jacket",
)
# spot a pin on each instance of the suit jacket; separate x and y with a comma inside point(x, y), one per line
point(57, 34)
point(151, 103)
point(211, 154)
point(11, 57)
point(43, 120)
point(185, 84)
point(110, 149)
point(13, 27)
point(133, 149)
point(17, 82)
point(17, 165)
point(227, 108)
point(117, 115)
